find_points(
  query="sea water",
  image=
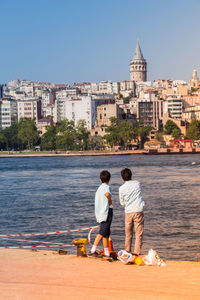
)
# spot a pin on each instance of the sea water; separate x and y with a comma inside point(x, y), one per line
point(45, 194)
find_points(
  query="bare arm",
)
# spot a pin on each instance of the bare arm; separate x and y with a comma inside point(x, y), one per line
point(121, 199)
point(109, 198)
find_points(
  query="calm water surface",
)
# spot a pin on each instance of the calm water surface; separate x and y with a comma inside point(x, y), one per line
point(57, 193)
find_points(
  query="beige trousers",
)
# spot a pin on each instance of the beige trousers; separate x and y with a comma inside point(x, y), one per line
point(136, 221)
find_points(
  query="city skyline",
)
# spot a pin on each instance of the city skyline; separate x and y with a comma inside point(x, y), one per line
point(77, 42)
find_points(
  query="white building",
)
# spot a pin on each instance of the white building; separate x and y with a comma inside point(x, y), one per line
point(27, 89)
point(142, 87)
point(46, 101)
point(68, 92)
point(87, 87)
point(173, 106)
point(127, 85)
point(8, 112)
point(75, 108)
point(81, 108)
point(59, 112)
point(109, 87)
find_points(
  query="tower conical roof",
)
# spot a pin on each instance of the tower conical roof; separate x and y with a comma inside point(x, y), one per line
point(138, 52)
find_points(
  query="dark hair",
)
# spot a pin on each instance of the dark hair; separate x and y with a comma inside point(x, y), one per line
point(105, 176)
point(126, 174)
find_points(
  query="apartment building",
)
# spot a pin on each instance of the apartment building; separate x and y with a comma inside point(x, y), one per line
point(190, 113)
point(29, 108)
point(8, 112)
point(81, 108)
point(150, 112)
point(105, 112)
point(1, 90)
point(174, 106)
point(109, 87)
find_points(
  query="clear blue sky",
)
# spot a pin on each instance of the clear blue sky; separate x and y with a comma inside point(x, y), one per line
point(66, 41)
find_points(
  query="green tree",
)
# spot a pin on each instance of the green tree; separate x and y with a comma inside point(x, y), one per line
point(126, 100)
point(3, 142)
point(112, 133)
point(95, 142)
point(169, 127)
point(27, 132)
point(66, 135)
point(126, 133)
point(176, 133)
point(159, 136)
point(119, 133)
point(48, 139)
point(11, 135)
point(193, 90)
point(82, 134)
point(65, 125)
point(193, 131)
point(142, 133)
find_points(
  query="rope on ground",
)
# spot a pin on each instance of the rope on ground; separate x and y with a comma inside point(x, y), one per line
point(48, 233)
point(50, 244)
point(90, 232)
point(33, 247)
point(32, 241)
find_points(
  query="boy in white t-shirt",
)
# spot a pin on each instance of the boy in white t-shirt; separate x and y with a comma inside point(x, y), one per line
point(130, 196)
point(103, 213)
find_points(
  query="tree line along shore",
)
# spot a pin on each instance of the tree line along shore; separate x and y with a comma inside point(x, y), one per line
point(65, 136)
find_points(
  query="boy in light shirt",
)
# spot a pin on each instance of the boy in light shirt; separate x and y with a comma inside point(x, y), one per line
point(130, 197)
point(103, 213)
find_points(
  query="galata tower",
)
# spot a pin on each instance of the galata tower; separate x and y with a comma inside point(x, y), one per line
point(138, 66)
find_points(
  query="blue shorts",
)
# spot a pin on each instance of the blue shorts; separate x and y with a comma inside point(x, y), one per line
point(105, 226)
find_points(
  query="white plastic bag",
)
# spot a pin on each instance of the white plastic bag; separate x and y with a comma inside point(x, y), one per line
point(152, 259)
point(125, 256)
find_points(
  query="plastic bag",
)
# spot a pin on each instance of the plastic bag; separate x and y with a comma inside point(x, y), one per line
point(125, 257)
point(152, 259)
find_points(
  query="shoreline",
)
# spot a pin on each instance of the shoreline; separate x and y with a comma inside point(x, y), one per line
point(46, 275)
point(93, 153)
point(73, 153)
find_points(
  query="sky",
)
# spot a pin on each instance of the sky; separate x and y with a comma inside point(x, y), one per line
point(67, 41)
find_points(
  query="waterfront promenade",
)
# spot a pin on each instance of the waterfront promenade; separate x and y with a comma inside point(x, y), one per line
point(161, 151)
point(45, 275)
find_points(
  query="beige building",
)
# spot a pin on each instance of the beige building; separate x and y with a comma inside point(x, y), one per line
point(43, 123)
point(109, 87)
point(17, 95)
point(182, 89)
point(164, 93)
point(194, 81)
point(191, 100)
point(29, 108)
point(127, 85)
point(162, 84)
point(105, 112)
point(190, 113)
point(138, 66)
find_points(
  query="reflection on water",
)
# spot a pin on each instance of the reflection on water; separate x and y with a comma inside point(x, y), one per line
point(50, 194)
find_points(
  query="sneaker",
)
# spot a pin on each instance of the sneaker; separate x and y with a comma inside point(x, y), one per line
point(94, 254)
point(108, 258)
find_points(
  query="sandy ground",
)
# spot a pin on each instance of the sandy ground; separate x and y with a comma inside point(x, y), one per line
point(46, 275)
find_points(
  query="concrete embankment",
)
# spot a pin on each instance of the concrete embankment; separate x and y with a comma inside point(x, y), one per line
point(71, 153)
point(46, 275)
point(100, 153)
